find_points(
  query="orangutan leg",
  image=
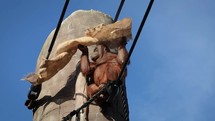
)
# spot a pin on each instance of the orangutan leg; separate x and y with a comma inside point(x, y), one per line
point(92, 89)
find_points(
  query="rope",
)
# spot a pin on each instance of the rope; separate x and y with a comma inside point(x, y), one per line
point(124, 103)
point(75, 112)
point(119, 10)
point(136, 38)
point(58, 28)
point(35, 90)
point(118, 82)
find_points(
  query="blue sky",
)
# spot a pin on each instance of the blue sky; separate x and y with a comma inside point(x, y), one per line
point(172, 72)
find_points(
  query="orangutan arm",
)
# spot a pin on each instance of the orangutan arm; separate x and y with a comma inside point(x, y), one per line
point(122, 52)
point(85, 64)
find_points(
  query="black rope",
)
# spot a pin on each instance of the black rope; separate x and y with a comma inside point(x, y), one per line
point(118, 82)
point(58, 28)
point(119, 10)
point(35, 90)
point(136, 38)
point(124, 102)
point(75, 112)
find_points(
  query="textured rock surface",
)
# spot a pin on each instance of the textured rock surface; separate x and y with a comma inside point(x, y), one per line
point(57, 97)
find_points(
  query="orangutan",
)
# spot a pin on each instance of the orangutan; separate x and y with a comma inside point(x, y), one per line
point(106, 66)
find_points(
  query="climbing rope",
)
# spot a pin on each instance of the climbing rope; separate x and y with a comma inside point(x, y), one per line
point(118, 82)
point(35, 90)
point(58, 28)
point(119, 10)
point(136, 38)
